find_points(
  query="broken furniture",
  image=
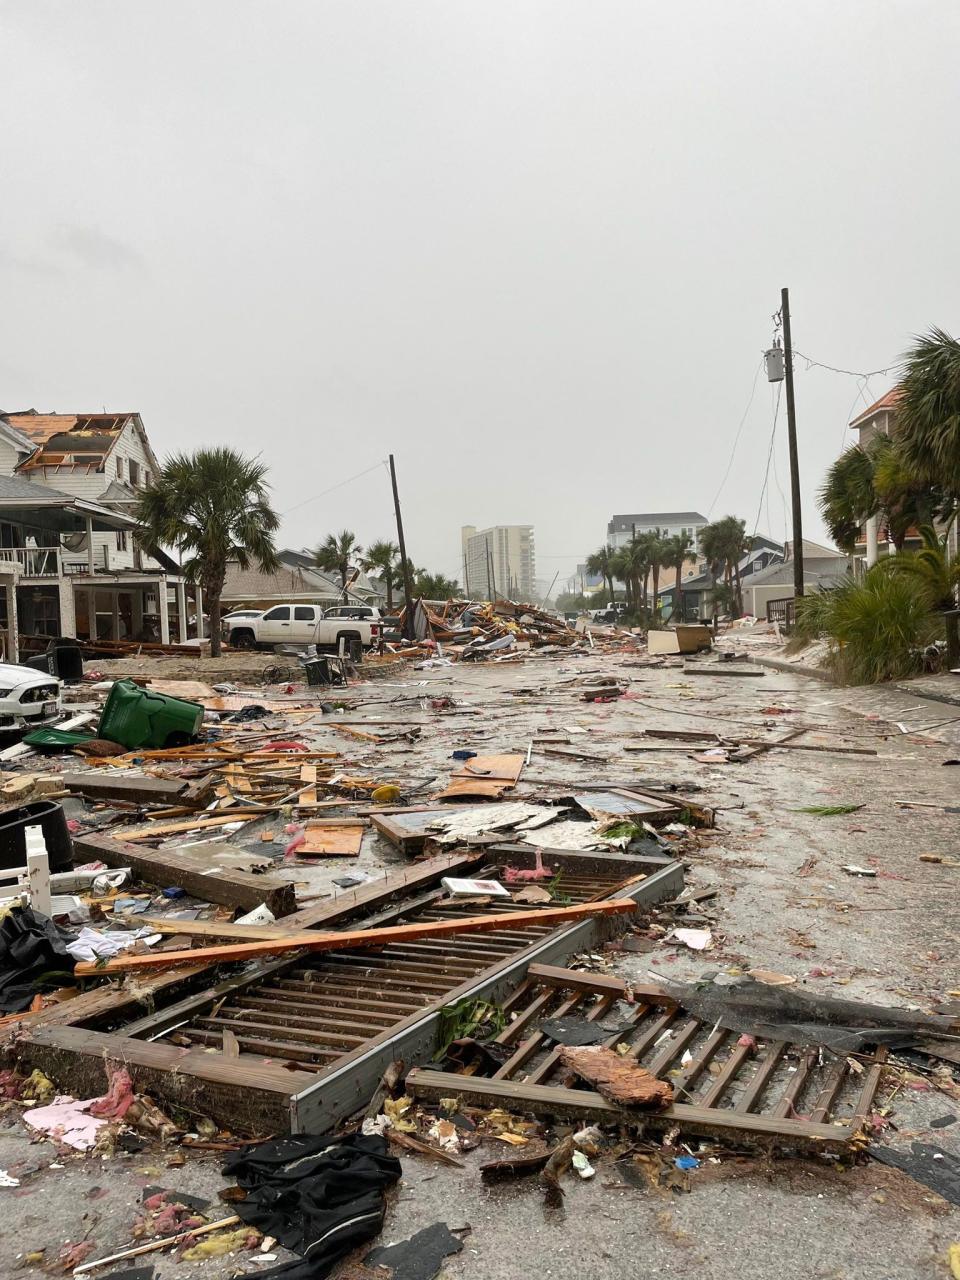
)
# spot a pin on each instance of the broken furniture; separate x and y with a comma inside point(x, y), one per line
point(725, 1085)
point(316, 1032)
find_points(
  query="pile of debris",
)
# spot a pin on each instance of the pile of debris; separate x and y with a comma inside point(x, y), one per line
point(472, 630)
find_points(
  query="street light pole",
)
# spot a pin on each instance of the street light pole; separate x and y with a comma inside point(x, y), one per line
point(792, 438)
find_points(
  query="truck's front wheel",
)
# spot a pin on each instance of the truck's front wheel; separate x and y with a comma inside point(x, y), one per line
point(243, 639)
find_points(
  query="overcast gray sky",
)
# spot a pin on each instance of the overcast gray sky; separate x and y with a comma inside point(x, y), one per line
point(532, 247)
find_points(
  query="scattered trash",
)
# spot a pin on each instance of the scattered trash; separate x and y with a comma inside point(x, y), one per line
point(853, 870)
point(695, 939)
point(420, 1257)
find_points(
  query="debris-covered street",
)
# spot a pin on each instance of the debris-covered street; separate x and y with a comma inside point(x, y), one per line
point(818, 867)
point(479, 641)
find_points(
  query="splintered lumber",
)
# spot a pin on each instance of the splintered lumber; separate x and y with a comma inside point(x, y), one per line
point(361, 937)
point(199, 873)
point(224, 819)
point(616, 1078)
point(140, 790)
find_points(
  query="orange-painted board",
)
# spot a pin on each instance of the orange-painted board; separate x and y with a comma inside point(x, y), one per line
point(359, 937)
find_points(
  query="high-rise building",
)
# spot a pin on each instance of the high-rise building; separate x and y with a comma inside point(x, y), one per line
point(498, 561)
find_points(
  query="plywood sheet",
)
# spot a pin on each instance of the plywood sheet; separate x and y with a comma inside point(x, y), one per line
point(191, 689)
point(325, 841)
point(487, 777)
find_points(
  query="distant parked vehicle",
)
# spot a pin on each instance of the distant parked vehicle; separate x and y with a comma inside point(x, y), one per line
point(302, 624)
point(235, 618)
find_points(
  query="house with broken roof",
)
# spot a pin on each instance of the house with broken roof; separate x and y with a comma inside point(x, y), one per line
point(69, 484)
point(298, 580)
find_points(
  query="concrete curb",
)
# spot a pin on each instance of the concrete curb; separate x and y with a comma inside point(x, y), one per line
point(777, 664)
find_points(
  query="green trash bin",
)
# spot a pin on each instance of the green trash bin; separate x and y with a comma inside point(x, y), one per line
point(137, 717)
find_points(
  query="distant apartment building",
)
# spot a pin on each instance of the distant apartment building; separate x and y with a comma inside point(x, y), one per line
point(621, 528)
point(499, 561)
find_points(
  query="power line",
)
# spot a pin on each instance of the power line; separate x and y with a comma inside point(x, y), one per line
point(324, 492)
point(766, 474)
point(736, 439)
point(851, 373)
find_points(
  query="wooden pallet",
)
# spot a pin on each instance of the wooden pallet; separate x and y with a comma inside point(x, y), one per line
point(777, 1092)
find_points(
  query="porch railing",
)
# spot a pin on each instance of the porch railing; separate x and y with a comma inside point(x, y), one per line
point(34, 562)
point(782, 611)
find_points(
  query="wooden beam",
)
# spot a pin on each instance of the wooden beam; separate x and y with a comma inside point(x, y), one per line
point(192, 872)
point(550, 1100)
point(248, 1093)
point(156, 829)
point(141, 790)
point(360, 937)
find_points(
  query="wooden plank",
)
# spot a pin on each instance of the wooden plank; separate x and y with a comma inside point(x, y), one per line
point(96, 785)
point(308, 775)
point(599, 984)
point(359, 937)
point(584, 1103)
point(809, 746)
point(400, 884)
point(248, 1093)
point(192, 872)
point(156, 829)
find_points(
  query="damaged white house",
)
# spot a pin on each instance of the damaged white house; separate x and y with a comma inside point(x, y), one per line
point(69, 564)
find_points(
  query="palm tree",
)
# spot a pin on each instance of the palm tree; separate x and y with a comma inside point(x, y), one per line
point(599, 562)
point(928, 411)
point(435, 586)
point(620, 567)
point(933, 570)
point(212, 505)
point(876, 480)
point(658, 553)
point(384, 557)
point(725, 543)
point(336, 552)
point(676, 553)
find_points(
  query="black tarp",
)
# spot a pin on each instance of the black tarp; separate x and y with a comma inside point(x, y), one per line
point(784, 1013)
point(33, 957)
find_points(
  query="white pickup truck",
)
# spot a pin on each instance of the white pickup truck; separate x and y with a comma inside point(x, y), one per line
point(309, 624)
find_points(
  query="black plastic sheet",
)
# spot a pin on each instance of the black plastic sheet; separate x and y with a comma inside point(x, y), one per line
point(783, 1013)
point(33, 957)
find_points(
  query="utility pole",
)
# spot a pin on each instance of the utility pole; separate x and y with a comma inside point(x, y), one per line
point(491, 575)
point(792, 437)
point(466, 577)
point(404, 562)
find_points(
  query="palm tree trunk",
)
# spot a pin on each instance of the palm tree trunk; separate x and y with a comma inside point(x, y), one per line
point(678, 594)
point(738, 588)
point(213, 603)
point(656, 587)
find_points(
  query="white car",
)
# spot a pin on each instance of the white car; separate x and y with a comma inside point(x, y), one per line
point(28, 698)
